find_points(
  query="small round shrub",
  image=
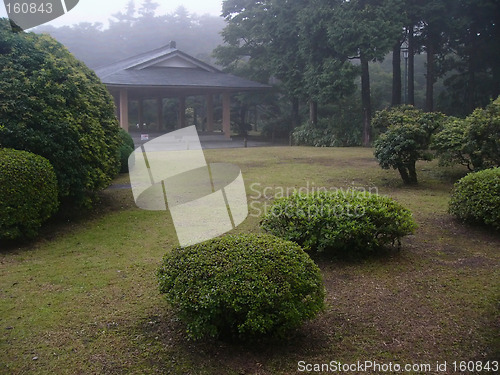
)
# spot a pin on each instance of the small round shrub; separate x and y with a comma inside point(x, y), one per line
point(476, 198)
point(28, 193)
point(126, 148)
point(245, 286)
point(125, 138)
point(344, 223)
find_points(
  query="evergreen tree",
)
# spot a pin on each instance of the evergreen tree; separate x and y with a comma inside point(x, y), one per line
point(366, 30)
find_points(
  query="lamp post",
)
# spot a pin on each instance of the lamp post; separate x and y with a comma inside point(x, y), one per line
point(405, 55)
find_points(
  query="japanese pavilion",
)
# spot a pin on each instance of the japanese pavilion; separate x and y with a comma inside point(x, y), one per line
point(167, 72)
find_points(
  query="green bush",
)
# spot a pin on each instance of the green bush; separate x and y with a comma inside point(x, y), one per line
point(406, 139)
point(28, 193)
point(243, 286)
point(451, 145)
point(277, 128)
point(126, 148)
point(476, 198)
point(343, 223)
point(56, 107)
point(473, 142)
point(334, 131)
point(484, 136)
point(319, 135)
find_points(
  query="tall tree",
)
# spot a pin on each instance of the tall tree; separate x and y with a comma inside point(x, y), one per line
point(288, 63)
point(263, 37)
point(366, 30)
point(148, 8)
point(246, 41)
point(129, 15)
point(328, 75)
point(474, 56)
point(432, 19)
point(396, 74)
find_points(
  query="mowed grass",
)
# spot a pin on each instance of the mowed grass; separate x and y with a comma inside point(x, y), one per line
point(83, 298)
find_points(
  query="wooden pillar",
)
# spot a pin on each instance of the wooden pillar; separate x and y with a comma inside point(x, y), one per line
point(159, 112)
point(124, 109)
point(140, 112)
point(226, 114)
point(181, 123)
point(210, 113)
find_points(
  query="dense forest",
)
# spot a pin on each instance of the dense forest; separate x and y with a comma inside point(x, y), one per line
point(334, 62)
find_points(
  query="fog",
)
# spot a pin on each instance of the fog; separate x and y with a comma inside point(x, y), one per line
point(100, 11)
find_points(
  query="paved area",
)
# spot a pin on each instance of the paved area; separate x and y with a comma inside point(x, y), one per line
point(208, 141)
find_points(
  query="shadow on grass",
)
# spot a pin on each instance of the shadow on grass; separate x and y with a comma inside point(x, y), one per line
point(173, 350)
point(69, 218)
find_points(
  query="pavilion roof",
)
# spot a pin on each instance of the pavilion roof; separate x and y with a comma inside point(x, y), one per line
point(169, 68)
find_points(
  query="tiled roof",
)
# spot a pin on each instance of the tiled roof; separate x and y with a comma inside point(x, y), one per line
point(170, 68)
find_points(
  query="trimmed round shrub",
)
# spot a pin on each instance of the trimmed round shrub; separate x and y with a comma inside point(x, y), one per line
point(126, 148)
point(476, 198)
point(244, 286)
point(54, 106)
point(345, 223)
point(28, 193)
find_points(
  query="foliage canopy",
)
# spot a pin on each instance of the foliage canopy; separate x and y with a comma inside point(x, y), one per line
point(54, 106)
point(473, 141)
point(405, 139)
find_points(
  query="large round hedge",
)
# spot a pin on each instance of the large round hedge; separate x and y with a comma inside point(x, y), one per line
point(476, 198)
point(242, 286)
point(28, 193)
point(344, 223)
point(56, 107)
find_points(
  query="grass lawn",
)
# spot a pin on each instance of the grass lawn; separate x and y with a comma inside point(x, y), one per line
point(83, 298)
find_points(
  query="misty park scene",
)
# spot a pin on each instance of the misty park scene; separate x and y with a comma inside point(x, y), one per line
point(250, 187)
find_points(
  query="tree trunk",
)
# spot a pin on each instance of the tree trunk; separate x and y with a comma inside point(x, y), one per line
point(429, 89)
point(411, 67)
point(313, 112)
point(396, 74)
point(295, 113)
point(404, 175)
point(295, 119)
point(408, 174)
point(412, 170)
point(366, 101)
point(243, 125)
point(470, 92)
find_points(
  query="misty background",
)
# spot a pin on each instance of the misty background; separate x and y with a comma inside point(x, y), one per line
point(137, 28)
